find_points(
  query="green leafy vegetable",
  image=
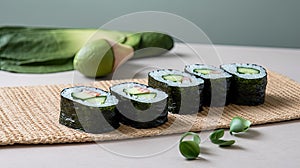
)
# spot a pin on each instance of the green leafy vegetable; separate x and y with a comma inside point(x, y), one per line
point(239, 124)
point(38, 67)
point(215, 138)
point(190, 149)
point(42, 50)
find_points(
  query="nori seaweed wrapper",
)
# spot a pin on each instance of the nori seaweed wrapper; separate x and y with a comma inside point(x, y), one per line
point(140, 113)
point(216, 91)
point(82, 116)
point(247, 89)
point(183, 98)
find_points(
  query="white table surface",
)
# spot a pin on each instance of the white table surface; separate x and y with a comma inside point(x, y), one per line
point(271, 145)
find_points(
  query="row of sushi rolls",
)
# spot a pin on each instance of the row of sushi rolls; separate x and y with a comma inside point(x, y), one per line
point(94, 110)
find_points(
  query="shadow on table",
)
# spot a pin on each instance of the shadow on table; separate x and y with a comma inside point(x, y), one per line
point(250, 134)
point(20, 146)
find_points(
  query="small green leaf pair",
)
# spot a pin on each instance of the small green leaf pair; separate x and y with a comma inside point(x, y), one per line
point(190, 149)
point(237, 124)
point(215, 138)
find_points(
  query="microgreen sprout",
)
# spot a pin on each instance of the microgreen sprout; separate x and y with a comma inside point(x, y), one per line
point(215, 138)
point(190, 149)
point(239, 124)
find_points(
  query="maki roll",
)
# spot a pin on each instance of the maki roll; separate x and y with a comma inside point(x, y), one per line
point(249, 83)
point(216, 90)
point(140, 106)
point(184, 90)
point(88, 109)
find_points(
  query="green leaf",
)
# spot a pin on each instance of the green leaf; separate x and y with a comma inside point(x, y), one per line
point(46, 50)
point(196, 137)
point(239, 124)
point(215, 138)
point(224, 143)
point(46, 67)
point(190, 148)
point(217, 134)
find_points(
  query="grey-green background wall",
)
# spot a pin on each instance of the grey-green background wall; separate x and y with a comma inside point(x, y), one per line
point(274, 23)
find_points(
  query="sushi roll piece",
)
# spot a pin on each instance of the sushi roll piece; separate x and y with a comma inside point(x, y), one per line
point(140, 106)
point(249, 83)
point(216, 92)
point(88, 109)
point(184, 90)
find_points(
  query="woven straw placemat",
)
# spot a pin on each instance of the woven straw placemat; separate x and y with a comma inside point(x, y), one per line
point(29, 114)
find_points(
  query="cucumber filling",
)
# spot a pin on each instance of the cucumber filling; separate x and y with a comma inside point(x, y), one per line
point(173, 78)
point(244, 70)
point(146, 96)
point(203, 71)
point(136, 90)
point(176, 78)
point(96, 100)
point(84, 94)
point(140, 93)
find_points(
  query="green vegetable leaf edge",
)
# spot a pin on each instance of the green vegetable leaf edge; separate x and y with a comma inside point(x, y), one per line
point(215, 138)
point(196, 137)
point(239, 124)
point(190, 148)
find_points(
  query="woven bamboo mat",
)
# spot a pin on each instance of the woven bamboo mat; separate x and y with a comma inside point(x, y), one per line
point(29, 114)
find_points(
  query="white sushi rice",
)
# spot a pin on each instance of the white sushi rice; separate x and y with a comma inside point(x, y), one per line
point(232, 69)
point(221, 73)
point(110, 99)
point(119, 88)
point(158, 75)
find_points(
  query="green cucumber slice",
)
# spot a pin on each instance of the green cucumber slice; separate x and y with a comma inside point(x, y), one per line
point(203, 71)
point(173, 78)
point(146, 96)
point(84, 94)
point(140, 93)
point(96, 100)
point(244, 70)
point(136, 90)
